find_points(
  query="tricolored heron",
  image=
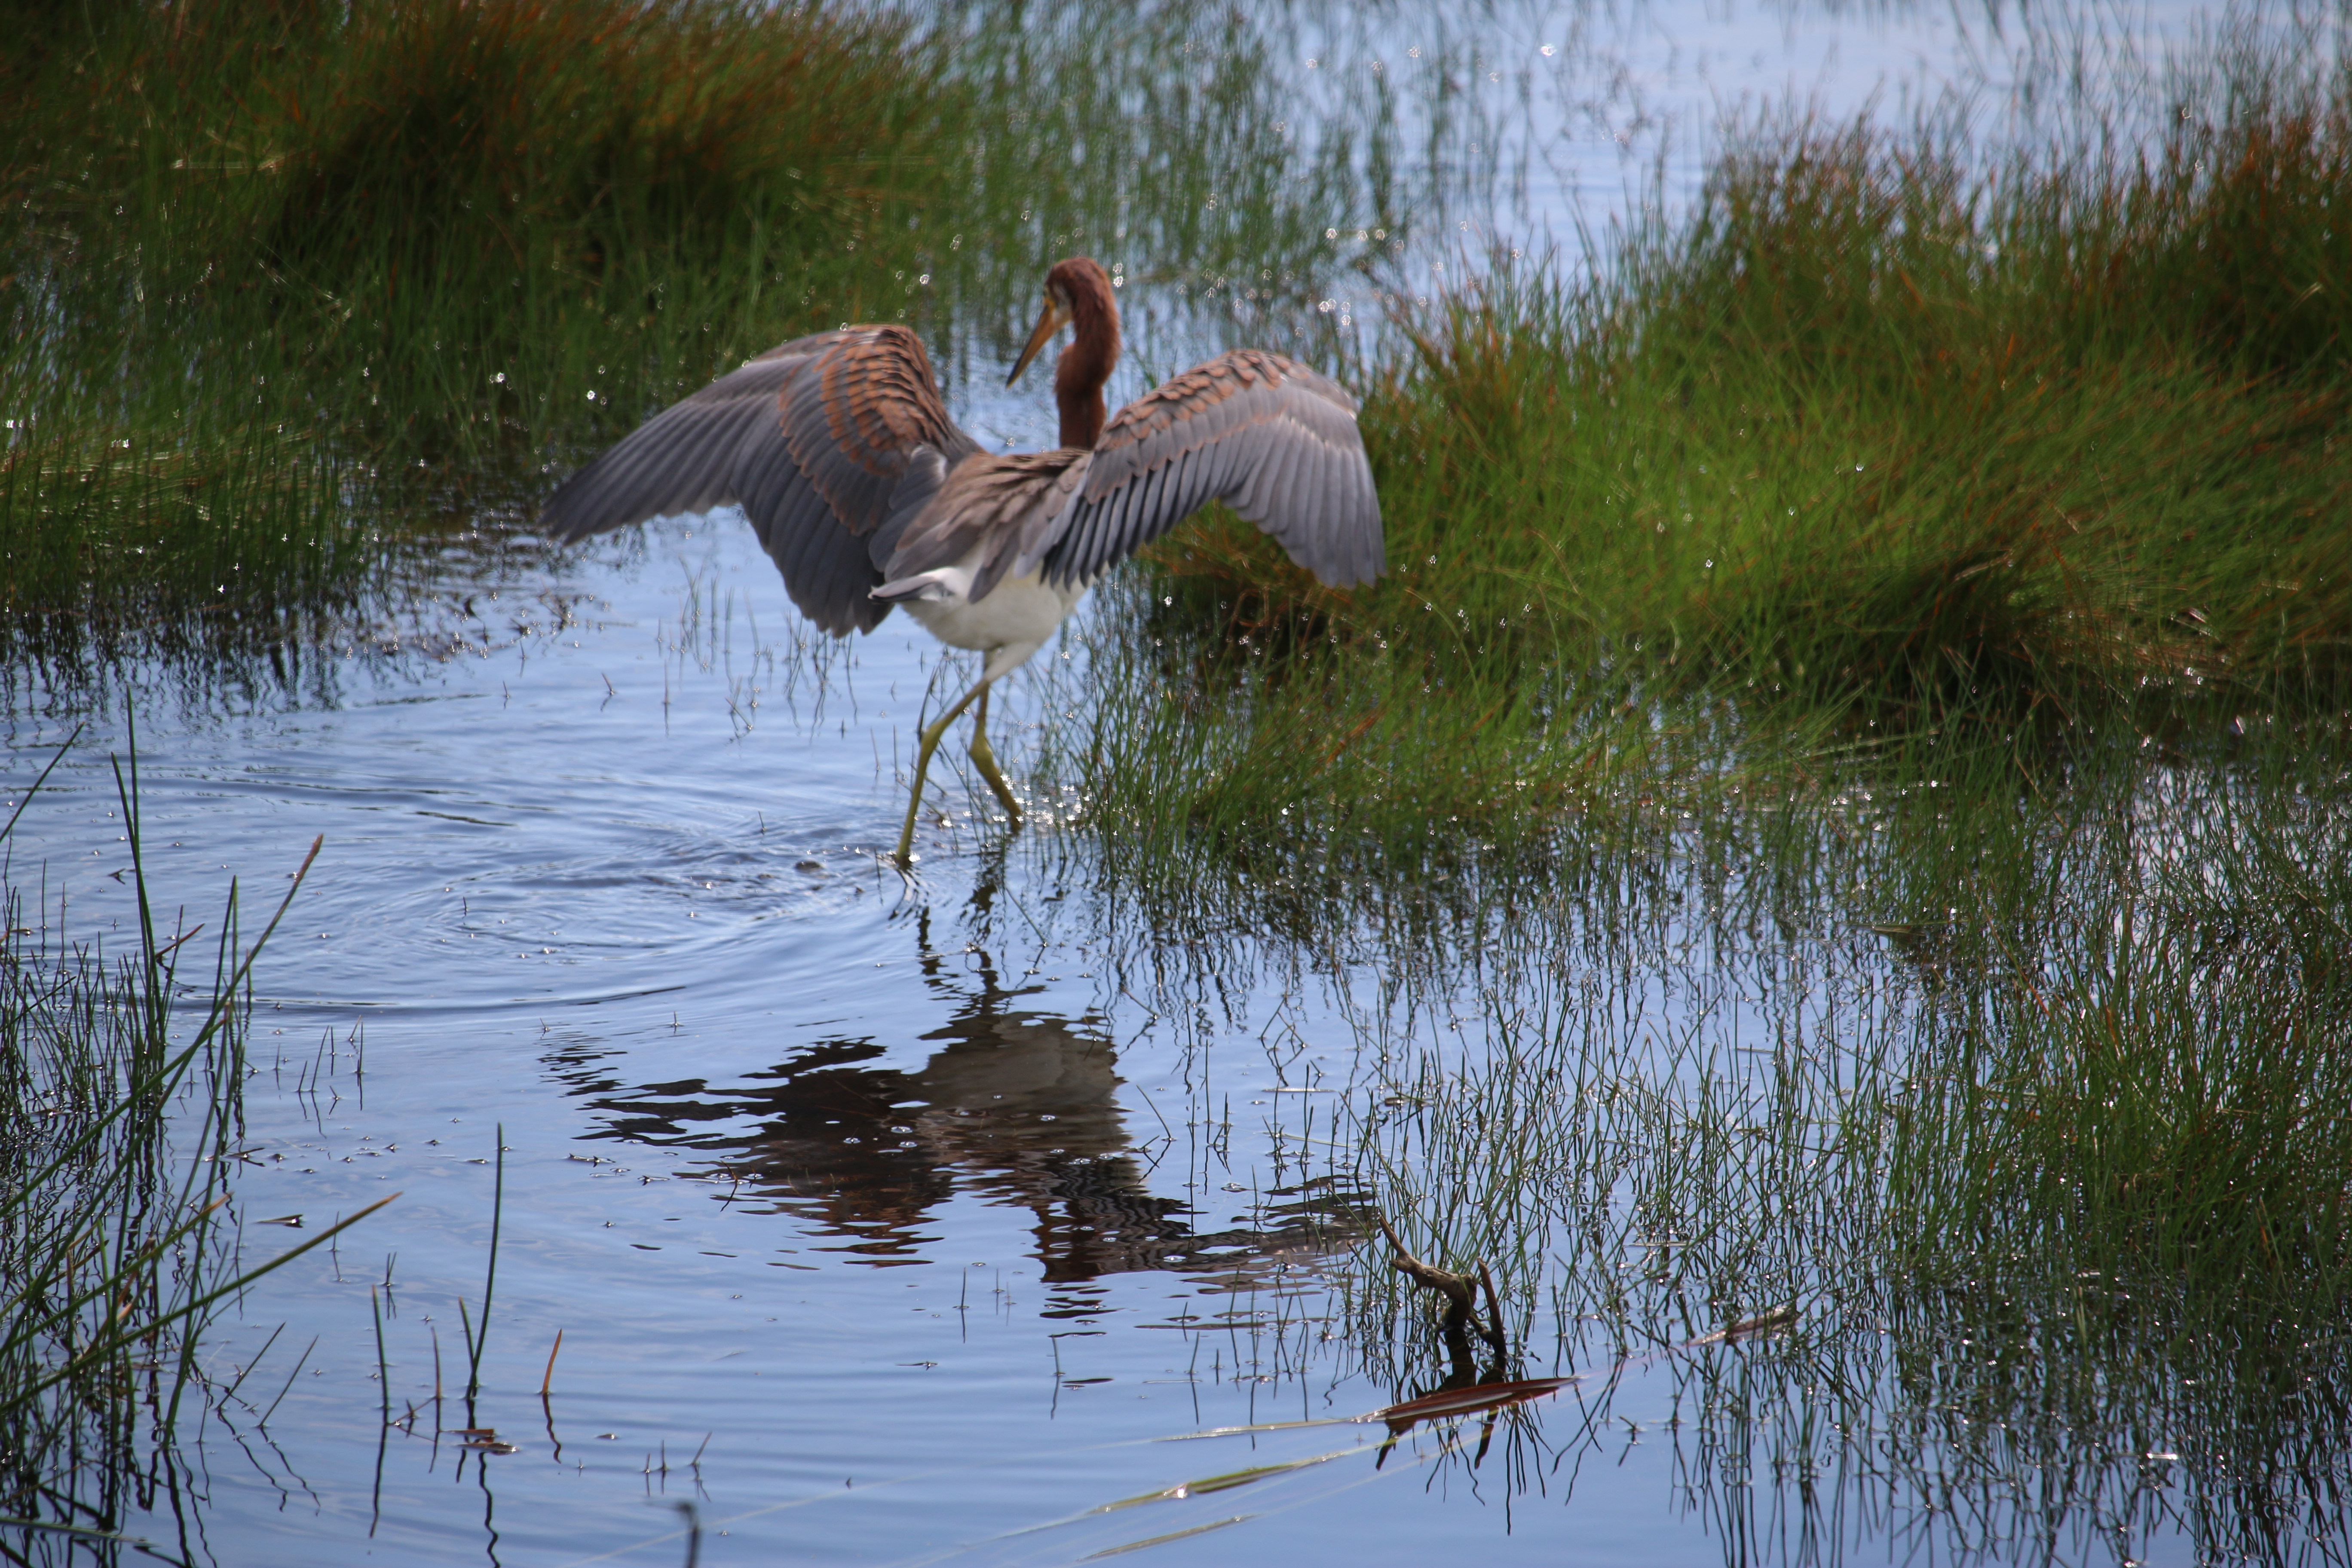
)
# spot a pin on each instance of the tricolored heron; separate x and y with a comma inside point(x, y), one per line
point(867, 495)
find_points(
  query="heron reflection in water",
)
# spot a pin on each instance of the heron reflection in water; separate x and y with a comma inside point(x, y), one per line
point(1015, 1106)
point(868, 495)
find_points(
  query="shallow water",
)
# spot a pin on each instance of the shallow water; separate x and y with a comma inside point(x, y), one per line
point(882, 1222)
point(894, 1218)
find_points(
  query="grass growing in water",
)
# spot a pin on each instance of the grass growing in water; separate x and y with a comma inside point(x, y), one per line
point(116, 1145)
point(2040, 1142)
point(299, 272)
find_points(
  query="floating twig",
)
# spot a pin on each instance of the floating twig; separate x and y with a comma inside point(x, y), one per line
point(1457, 1289)
point(1756, 1327)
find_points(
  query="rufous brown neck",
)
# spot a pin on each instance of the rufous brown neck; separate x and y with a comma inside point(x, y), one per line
point(1079, 374)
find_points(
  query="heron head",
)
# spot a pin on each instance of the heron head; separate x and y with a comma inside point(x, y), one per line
point(1076, 285)
point(1051, 319)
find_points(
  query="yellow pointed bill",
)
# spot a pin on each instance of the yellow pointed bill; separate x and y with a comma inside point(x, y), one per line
point(1049, 322)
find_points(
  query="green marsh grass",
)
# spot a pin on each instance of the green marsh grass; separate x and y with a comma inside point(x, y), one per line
point(1887, 436)
point(2016, 1072)
point(120, 1116)
point(296, 284)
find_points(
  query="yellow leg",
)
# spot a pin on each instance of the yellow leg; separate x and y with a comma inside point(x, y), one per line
point(930, 743)
point(984, 760)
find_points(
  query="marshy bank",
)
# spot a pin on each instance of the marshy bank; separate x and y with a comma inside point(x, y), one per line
point(1878, 448)
point(1835, 824)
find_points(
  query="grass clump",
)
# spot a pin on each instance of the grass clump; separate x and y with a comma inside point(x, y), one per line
point(294, 292)
point(2164, 1089)
point(1879, 439)
point(295, 295)
point(420, 196)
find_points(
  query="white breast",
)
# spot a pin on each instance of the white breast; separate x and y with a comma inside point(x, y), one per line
point(1009, 625)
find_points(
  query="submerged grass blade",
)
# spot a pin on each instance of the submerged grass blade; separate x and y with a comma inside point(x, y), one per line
point(1149, 1542)
point(1209, 1484)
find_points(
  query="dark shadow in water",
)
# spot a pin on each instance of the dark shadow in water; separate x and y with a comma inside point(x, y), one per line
point(1016, 1106)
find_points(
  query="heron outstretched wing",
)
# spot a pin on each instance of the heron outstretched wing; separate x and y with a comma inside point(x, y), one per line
point(815, 440)
point(1268, 437)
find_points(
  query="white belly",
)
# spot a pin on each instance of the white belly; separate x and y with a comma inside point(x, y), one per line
point(1009, 625)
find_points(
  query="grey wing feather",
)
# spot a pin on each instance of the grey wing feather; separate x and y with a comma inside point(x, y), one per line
point(816, 440)
point(681, 460)
point(1264, 434)
point(827, 570)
